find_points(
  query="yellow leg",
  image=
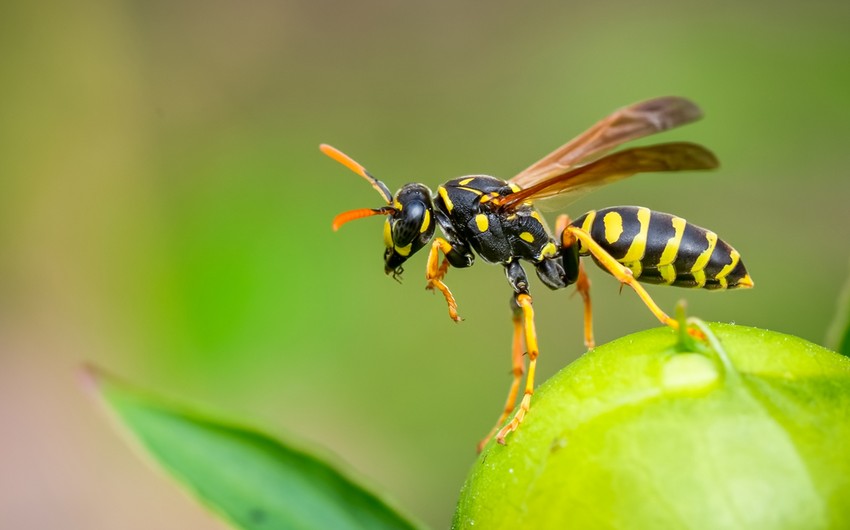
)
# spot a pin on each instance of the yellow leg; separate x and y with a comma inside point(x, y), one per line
point(517, 370)
point(619, 271)
point(435, 274)
point(583, 282)
point(583, 288)
point(524, 303)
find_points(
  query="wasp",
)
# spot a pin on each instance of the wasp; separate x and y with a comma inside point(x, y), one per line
point(498, 221)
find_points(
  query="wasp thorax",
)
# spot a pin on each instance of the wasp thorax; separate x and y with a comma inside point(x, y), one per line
point(409, 228)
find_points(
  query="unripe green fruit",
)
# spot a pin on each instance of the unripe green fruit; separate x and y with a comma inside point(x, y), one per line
point(638, 434)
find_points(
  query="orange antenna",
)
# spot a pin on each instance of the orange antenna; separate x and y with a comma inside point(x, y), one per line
point(351, 164)
point(351, 215)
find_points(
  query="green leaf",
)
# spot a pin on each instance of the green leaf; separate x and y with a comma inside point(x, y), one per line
point(639, 434)
point(839, 332)
point(250, 478)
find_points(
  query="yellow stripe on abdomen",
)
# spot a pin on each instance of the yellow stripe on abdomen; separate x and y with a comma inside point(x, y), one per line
point(637, 248)
point(703, 258)
point(671, 250)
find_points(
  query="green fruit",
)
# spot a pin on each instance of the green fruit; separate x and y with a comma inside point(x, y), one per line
point(638, 434)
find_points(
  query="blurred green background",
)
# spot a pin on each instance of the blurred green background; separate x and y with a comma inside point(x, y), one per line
point(165, 213)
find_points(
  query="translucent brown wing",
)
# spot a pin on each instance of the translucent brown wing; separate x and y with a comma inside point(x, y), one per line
point(677, 156)
point(629, 123)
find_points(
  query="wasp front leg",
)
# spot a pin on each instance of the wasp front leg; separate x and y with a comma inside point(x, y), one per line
point(456, 255)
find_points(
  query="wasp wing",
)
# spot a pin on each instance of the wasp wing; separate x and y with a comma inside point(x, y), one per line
point(629, 123)
point(676, 156)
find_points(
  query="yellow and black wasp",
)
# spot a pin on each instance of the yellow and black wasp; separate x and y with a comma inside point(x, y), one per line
point(496, 219)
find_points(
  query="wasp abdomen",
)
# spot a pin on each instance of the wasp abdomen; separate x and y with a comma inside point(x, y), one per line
point(664, 249)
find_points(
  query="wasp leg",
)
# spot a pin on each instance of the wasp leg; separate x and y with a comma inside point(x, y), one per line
point(523, 302)
point(583, 288)
point(436, 272)
point(518, 369)
point(574, 270)
point(572, 234)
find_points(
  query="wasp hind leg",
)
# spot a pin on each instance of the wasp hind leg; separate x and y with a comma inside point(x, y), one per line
point(571, 235)
point(574, 271)
point(457, 255)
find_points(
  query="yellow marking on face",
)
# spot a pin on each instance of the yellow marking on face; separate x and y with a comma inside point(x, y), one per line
point(613, 222)
point(668, 272)
point(637, 248)
point(482, 222)
point(514, 187)
point(671, 249)
point(527, 236)
point(397, 205)
point(388, 234)
point(699, 277)
point(549, 250)
point(728, 268)
point(405, 250)
point(426, 222)
point(703, 258)
point(464, 182)
point(441, 191)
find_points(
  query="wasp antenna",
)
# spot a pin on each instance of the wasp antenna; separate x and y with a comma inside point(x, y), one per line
point(351, 164)
point(360, 213)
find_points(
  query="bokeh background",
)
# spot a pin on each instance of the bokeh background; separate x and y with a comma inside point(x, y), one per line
point(165, 213)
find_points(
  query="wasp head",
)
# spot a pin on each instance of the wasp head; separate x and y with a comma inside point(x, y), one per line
point(409, 227)
point(410, 215)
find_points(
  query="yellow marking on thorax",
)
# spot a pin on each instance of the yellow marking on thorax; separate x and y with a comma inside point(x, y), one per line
point(471, 190)
point(728, 268)
point(441, 191)
point(613, 222)
point(527, 236)
point(426, 222)
point(405, 250)
point(637, 248)
point(703, 258)
point(464, 182)
point(673, 244)
point(482, 222)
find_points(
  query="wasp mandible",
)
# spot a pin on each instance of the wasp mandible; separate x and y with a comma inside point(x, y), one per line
point(497, 220)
